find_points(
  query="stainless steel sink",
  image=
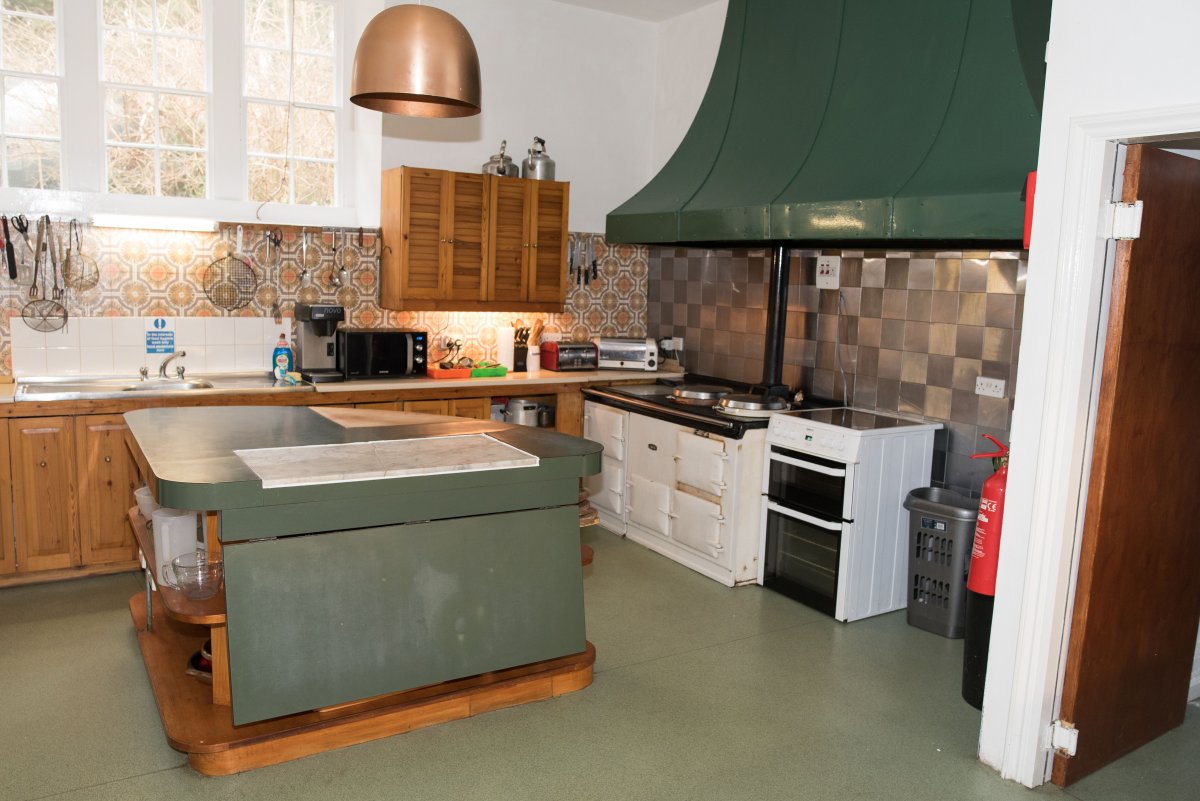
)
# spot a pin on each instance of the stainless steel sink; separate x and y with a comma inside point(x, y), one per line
point(98, 388)
point(168, 385)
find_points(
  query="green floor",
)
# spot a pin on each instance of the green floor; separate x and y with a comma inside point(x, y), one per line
point(701, 692)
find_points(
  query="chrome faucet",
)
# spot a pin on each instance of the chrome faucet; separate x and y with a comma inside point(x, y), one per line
point(162, 368)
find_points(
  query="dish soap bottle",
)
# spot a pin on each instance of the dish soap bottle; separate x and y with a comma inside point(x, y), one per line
point(281, 358)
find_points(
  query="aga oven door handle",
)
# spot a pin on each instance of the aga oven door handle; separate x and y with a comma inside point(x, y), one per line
point(803, 465)
point(792, 513)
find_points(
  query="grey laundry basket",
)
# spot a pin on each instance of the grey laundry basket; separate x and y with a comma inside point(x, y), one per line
point(941, 529)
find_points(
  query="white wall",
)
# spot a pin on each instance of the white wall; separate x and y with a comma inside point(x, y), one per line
point(687, 50)
point(1091, 95)
point(582, 80)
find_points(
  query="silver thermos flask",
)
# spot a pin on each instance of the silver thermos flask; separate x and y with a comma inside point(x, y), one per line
point(537, 164)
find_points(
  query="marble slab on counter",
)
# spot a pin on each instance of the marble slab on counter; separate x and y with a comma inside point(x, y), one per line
point(365, 461)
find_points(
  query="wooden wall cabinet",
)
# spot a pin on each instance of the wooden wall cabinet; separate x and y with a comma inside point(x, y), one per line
point(45, 497)
point(107, 476)
point(470, 242)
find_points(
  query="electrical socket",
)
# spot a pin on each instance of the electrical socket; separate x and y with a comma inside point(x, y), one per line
point(674, 344)
point(829, 272)
point(992, 387)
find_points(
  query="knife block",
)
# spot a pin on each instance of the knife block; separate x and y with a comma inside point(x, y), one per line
point(520, 358)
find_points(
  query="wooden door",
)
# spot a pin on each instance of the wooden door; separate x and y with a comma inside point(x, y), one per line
point(548, 233)
point(8, 554)
point(421, 204)
point(107, 476)
point(467, 226)
point(1137, 600)
point(508, 265)
point(45, 504)
point(475, 408)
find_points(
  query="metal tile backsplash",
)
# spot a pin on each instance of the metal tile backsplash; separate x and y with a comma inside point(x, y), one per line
point(908, 331)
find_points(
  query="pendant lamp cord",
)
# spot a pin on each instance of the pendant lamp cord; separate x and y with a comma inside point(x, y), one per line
point(291, 108)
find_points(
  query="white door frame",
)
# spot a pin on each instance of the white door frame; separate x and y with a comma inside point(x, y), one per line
point(1053, 403)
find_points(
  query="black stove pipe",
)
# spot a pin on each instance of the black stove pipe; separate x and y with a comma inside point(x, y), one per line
point(777, 291)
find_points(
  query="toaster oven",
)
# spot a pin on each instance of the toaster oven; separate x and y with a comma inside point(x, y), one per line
point(564, 356)
point(619, 353)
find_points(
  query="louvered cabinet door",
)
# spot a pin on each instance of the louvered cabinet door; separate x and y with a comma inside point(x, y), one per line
point(45, 503)
point(548, 227)
point(8, 554)
point(510, 200)
point(413, 207)
point(467, 224)
point(107, 477)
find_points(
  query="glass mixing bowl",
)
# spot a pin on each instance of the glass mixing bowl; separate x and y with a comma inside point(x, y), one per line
point(197, 575)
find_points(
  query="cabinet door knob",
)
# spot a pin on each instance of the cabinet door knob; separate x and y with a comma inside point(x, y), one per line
point(108, 458)
point(42, 463)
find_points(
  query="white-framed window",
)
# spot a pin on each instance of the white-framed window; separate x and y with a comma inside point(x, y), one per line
point(30, 119)
point(233, 110)
point(154, 58)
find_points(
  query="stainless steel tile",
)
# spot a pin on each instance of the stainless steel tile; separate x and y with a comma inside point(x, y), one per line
point(993, 412)
point(868, 361)
point(865, 391)
point(945, 274)
point(827, 356)
point(871, 302)
point(942, 338)
point(972, 308)
point(887, 394)
point(828, 303)
point(721, 342)
point(1022, 273)
point(937, 402)
point(895, 303)
point(997, 344)
point(851, 302)
point(889, 363)
point(940, 372)
point(873, 272)
point(1002, 276)
point(826, 327)
point(973, 275)
point(823, 383)
point(1000, 310)
point(916, 337)
point(892, 334)
point(964, 406)
point(914, 367)
point(944, 307)
point(965, 372)
point(869, 329)
point(896, 275)
point(912, 398)
point(920, 303)
point(920, 273)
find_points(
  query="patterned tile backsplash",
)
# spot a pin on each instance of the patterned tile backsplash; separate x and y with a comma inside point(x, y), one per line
point(148, 274)
point(907, 332)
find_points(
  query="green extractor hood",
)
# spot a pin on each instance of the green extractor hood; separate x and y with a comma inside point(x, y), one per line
point(865, 120)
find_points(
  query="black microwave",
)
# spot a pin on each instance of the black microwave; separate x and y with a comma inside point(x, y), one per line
point(381, 353)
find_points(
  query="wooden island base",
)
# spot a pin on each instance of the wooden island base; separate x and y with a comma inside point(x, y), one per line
point(215, 747)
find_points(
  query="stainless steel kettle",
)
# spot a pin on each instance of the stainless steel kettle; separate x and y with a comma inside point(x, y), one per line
point(500, 164)
point(537, 164)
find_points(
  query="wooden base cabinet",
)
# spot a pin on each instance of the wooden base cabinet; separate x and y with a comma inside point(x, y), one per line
point(45, 497)
point(8, 554)
point(470, 242)
point(107, 477)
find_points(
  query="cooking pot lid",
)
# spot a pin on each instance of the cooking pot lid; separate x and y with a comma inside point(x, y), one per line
point(701, 391)
point(752, 403)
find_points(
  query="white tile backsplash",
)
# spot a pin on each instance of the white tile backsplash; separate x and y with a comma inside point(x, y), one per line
point(117, 345)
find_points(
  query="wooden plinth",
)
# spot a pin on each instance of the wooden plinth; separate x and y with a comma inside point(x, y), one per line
point(215, 747)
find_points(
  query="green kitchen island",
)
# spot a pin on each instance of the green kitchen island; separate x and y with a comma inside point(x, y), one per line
point(383, 571)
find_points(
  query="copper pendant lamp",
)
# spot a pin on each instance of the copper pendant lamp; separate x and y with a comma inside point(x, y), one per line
point(416, 61)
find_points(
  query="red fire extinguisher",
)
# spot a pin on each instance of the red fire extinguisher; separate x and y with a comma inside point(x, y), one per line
point(981, 578)
point(985, 550)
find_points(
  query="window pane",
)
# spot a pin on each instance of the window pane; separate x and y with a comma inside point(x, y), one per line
point(129, 116)
point(181, 120)
point(130, 171)
point(266, 128)
point(314, 183)
point(268, 179)
point(267, 22)
point(314, 80)
point(33, 164)
point(129, 13)
point(181, 63)
point(45, 7)
point(267, 73)
point(314, 134)
point(30, 107)
point(183, 173)
point(181, 16)
point(314, 26)
point(127, 57)
point(30, 45)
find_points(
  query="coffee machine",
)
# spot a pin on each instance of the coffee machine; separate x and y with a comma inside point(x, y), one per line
point(316, 343)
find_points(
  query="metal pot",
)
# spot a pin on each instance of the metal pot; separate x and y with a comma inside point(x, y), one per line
point(537, 164)
point(522, 412)
point(500, 164)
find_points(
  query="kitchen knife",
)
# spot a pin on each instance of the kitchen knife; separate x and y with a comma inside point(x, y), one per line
point(9, 256)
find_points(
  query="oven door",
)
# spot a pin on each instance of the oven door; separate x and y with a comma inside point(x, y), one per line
point(808, 484)
point(801, 555)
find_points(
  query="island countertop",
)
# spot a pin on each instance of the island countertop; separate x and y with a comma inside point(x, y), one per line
point(188, 453)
